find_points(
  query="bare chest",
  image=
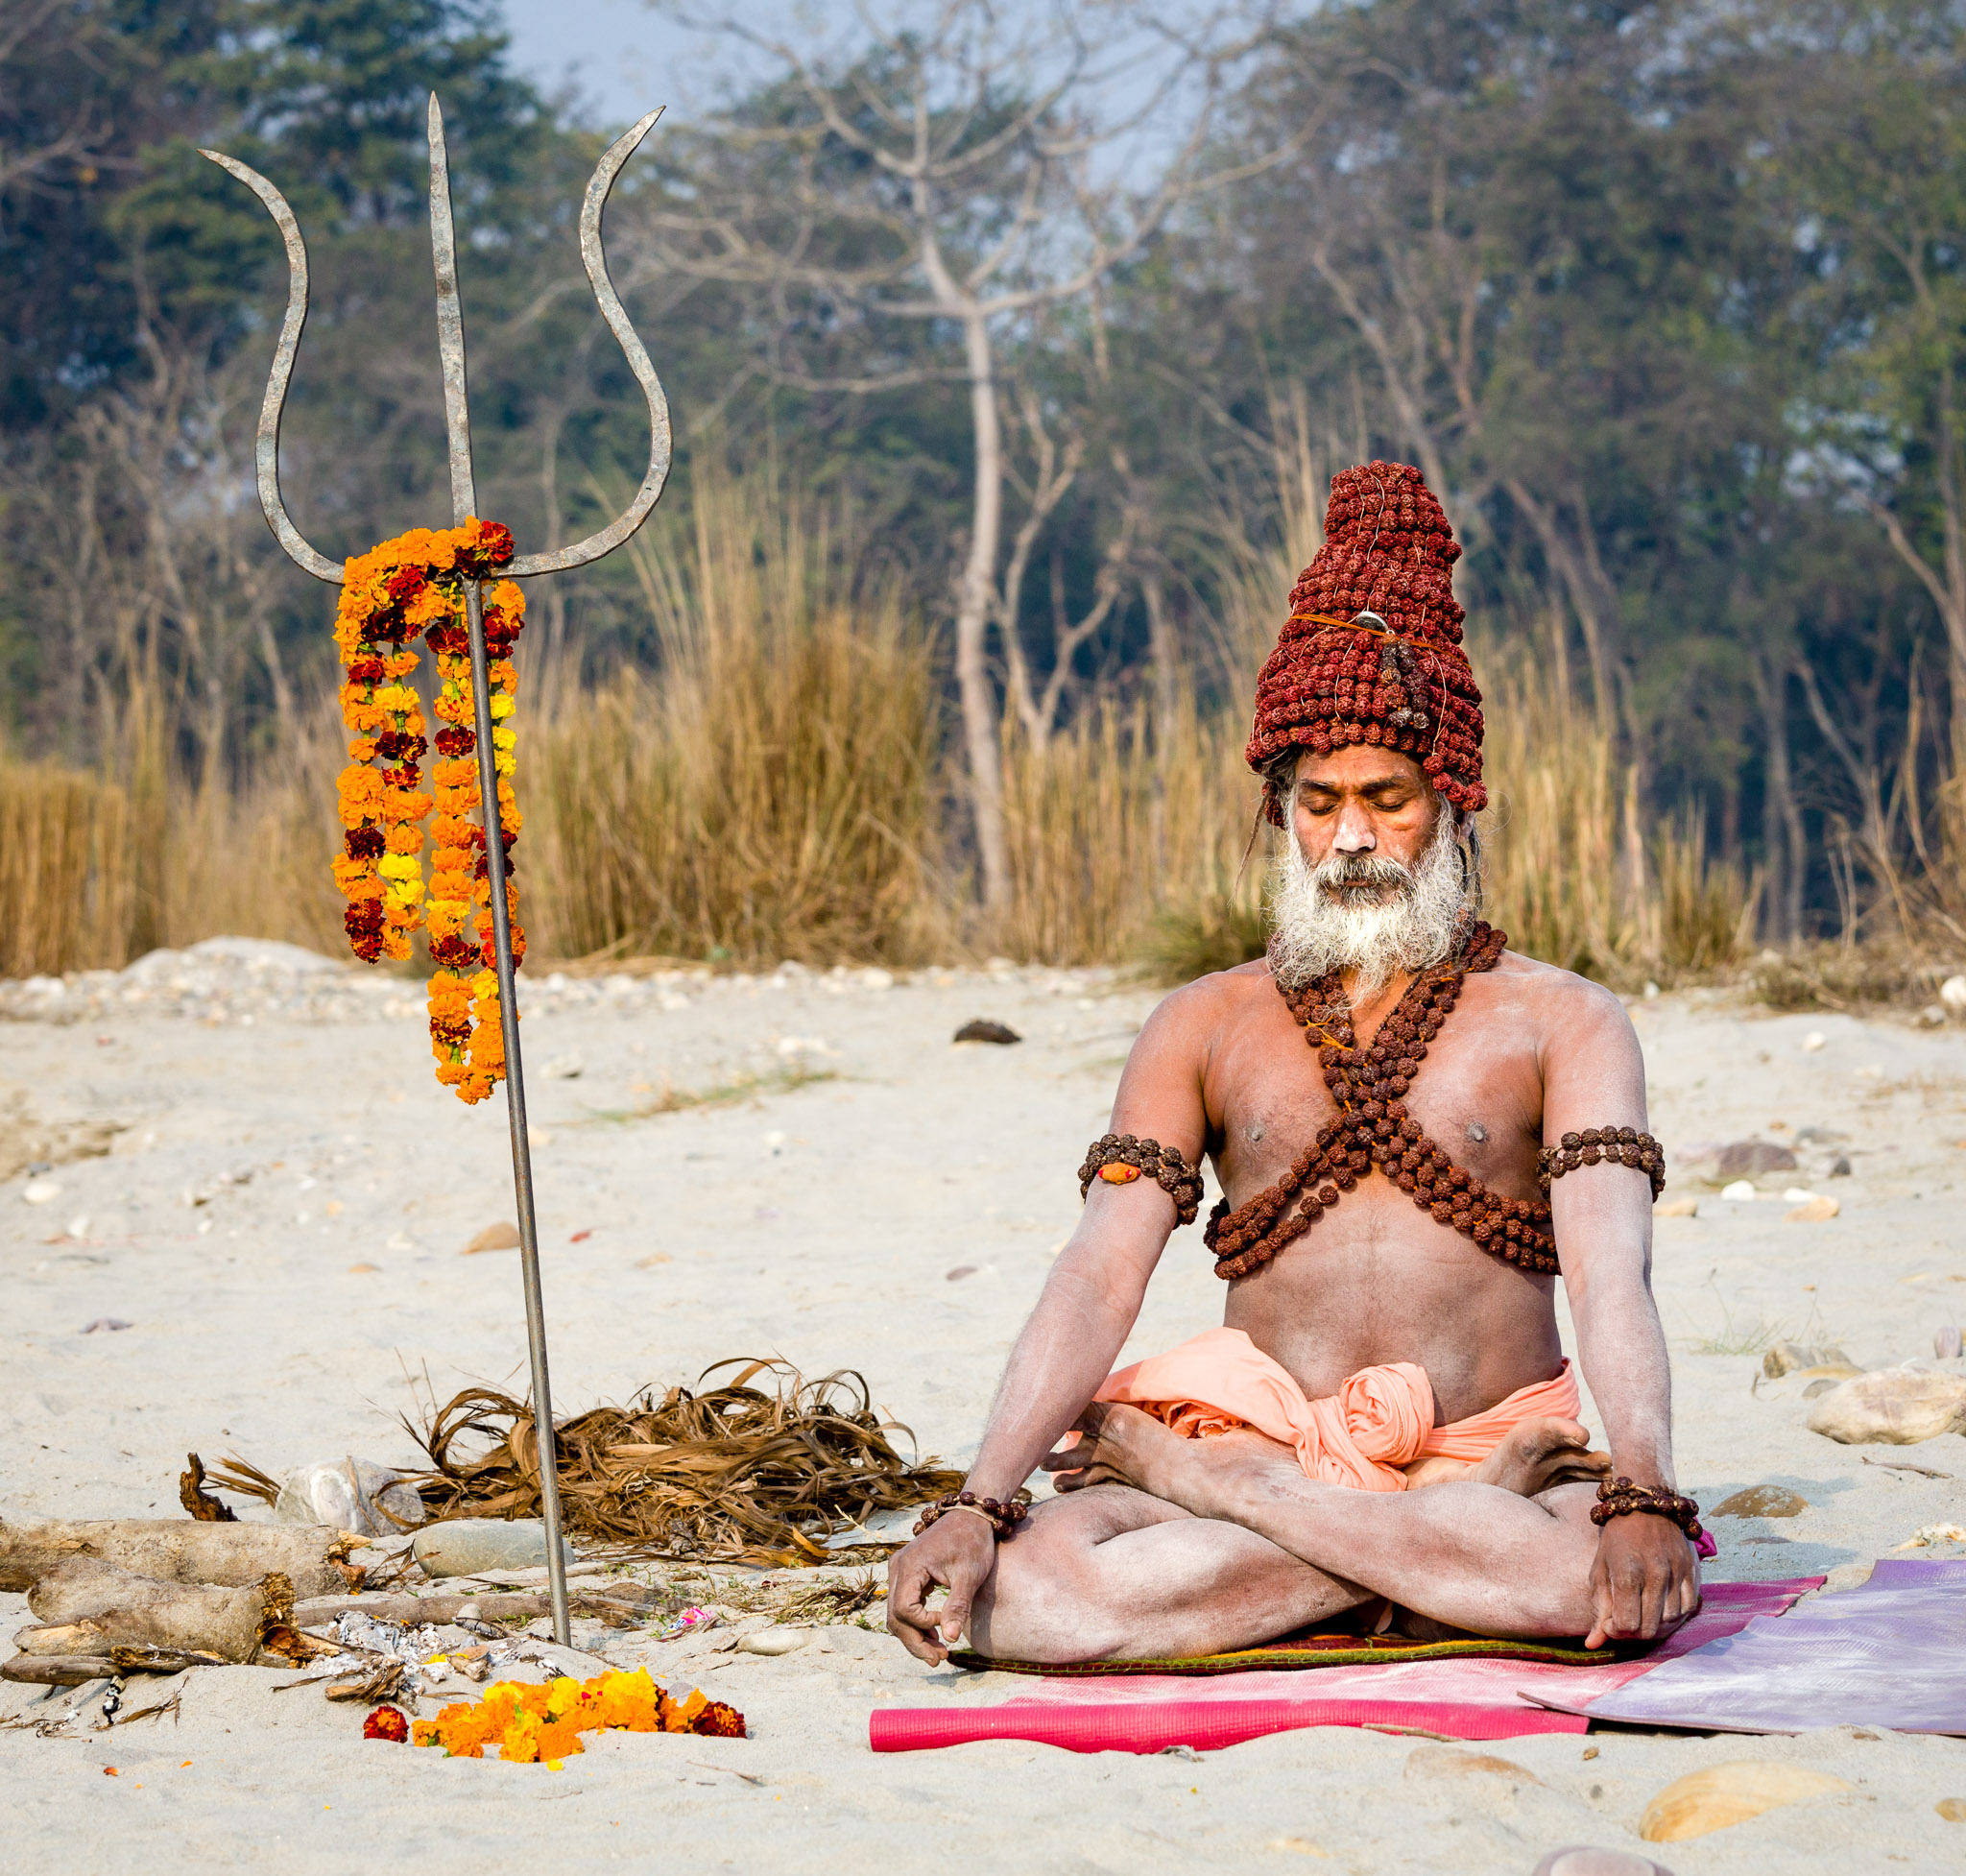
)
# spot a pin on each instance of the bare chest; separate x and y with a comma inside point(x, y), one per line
point(1477, 1094)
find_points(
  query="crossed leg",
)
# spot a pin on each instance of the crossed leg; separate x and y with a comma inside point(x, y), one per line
point(1200, 1546)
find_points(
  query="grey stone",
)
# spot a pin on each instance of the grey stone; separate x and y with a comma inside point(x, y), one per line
point(475, 1547)
point(1749, 1159)
point(348, 1494)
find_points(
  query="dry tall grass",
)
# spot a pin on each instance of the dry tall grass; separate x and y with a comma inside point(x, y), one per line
point(1572, 876)
point(1110, 834)
point(778, 786)
point(773, 790)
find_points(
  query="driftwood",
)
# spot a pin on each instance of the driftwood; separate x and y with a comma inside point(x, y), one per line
point(312, 1557)
point(89, 1608)
point(730, 1473)
point(58, 1670)
point(608, 1601)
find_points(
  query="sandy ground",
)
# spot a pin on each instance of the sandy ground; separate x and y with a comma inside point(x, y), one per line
point(279, 1221)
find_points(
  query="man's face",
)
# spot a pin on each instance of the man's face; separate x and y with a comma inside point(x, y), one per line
point(1371, 804)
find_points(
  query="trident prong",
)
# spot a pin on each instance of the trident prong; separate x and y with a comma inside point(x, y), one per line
point(450, 340)
point(594, 256)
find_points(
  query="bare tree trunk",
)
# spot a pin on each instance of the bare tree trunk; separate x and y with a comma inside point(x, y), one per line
point(1563, 560)
point(1782, 828)
point(978, 695)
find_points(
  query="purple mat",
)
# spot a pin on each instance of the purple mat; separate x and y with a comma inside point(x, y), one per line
point(1890, 1653)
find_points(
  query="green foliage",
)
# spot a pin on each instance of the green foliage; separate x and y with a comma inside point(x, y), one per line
point(1216, 932)
point(1668, 301)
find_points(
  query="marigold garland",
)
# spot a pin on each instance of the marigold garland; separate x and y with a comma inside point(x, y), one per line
point(533, 1723)
point(405, 589)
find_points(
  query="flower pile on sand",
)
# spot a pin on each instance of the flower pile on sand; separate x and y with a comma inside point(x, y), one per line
point(536, 1724)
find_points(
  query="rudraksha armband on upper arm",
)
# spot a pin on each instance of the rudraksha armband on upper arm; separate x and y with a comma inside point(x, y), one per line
point(1608, 1145)
point(1120, 1158)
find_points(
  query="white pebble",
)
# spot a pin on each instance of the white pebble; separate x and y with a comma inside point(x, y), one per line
point(1952, 994)
point(1741, 1188)
point(1814, 1039)
point(42, 1192)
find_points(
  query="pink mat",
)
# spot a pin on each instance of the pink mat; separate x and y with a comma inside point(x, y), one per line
point(1471, 1699)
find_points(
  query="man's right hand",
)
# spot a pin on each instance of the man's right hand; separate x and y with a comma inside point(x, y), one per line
point(958, 1551)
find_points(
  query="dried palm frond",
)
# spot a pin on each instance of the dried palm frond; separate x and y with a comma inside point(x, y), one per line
point(732, 1473)
point(234, 1474)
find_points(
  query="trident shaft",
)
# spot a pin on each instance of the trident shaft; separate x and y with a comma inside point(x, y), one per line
point(450, 343)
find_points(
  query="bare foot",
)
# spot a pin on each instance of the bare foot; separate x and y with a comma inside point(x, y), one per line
point(1117, 1445)
point(1539, 1454)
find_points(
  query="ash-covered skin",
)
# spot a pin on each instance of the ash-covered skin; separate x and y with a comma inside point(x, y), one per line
point(1167, 1547)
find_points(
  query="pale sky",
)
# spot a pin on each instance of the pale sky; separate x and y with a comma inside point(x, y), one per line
point(622, 59)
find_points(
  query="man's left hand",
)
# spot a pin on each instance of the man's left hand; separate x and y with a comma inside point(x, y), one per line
point(1644, 1582)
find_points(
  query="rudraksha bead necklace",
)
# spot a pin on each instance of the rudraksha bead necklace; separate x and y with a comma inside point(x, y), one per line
point(1373, 1128)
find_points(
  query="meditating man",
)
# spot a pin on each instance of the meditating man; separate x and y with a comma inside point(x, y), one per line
point(1414, 1130)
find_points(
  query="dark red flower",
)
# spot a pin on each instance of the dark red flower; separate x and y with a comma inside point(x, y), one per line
point(387, 1723)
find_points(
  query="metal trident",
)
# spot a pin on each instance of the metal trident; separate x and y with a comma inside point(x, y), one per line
point(450, 340)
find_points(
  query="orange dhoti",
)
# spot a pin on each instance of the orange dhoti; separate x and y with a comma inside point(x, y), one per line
point(1379, 1421)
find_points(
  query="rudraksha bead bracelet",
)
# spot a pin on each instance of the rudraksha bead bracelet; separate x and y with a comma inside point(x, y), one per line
point(1004, 1517)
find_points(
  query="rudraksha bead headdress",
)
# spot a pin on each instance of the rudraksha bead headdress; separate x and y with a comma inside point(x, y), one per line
point(1371, 651)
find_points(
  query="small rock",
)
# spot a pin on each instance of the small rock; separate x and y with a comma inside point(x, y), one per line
point(1448, 1761)
point(961, 1271)
point(1892, 1406)
point(1819, 1387)
point(1750, 1159)
point(500, 1237)
point(1741, 1191)
point(1840, 1167)
point(476, 1547)
point(1952, 994)
point(351, 1494)
point(1932, 1016)
point(1814, 1039)
point(1812, 1211)
point(772, 1640)
point(1788, 1358)
point(981, 1030)
point(365, 1269)
point(42, 1192)
point(106, 1325)
point(1587, 1860)
point(1761, 1502)
point(1952, 1810)
point(875, 979)
point(562, 1067)
point(1685, 1206)
point(1721, 1795)
point(1946, 1344)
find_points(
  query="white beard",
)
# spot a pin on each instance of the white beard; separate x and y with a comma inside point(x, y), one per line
point(1320, 928)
